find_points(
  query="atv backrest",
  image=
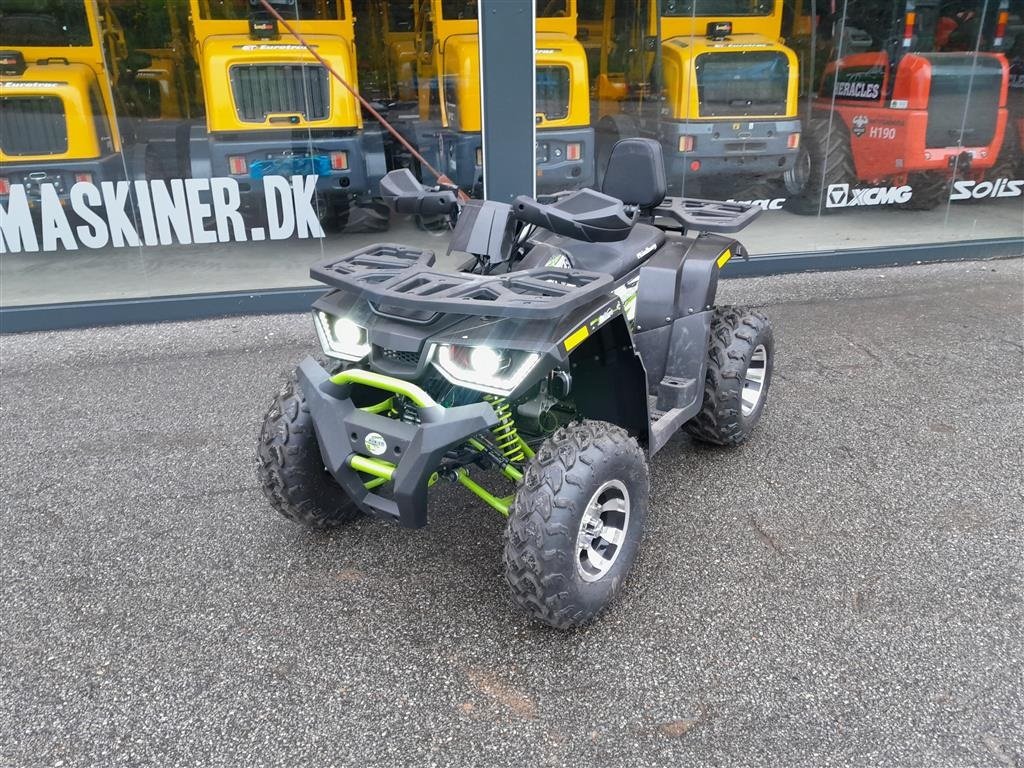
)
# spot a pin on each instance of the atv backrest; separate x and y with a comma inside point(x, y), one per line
point(404, 194)
point(589, 216)
point(635, 173)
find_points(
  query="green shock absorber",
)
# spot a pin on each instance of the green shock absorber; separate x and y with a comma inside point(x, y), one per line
point(506, 435)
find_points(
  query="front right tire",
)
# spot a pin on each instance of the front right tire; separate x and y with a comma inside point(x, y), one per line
point(290, 468)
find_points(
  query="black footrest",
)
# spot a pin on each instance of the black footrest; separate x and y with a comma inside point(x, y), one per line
point(675, 393)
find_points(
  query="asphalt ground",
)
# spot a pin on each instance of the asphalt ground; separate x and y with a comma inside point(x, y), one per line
point(844, 589)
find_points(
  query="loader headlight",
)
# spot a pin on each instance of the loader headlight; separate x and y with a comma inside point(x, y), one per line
point(483, 368)
point(340, 337)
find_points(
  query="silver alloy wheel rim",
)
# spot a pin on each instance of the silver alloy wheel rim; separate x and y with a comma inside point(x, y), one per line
point(753, 380)
point(602, 532)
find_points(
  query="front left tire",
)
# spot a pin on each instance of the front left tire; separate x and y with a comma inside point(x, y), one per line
point(576, 523)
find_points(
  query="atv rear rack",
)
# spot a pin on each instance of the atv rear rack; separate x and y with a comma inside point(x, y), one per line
point(708, 215)
point(391, 275)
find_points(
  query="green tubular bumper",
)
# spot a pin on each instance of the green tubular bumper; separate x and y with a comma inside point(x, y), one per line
point(402, 455)
point(387, 383)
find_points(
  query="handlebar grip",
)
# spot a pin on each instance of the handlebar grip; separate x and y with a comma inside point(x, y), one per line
point(404, 194)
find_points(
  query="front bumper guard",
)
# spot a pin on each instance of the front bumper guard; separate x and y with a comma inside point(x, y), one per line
point(405, 455)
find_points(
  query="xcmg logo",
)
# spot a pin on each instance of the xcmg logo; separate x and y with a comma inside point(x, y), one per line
point(842, 196)
point(976, 190)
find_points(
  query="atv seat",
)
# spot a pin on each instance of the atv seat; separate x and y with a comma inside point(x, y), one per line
point(586, 215)
point(617, 259)
point(635, 173)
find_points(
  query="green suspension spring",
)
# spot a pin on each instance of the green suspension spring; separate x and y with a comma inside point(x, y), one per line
point(506, 436)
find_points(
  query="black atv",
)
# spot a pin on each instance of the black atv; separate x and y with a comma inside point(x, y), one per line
point(580, 335)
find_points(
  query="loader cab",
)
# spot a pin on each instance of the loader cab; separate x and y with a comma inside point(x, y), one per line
point(256, 77)
point(707, 57)
point(57, 117)
point(448, 66)
point(386, 49)
point(274, 110)
point(923, 70)
point(914, 111)
point(156, 79)
point(710, 79)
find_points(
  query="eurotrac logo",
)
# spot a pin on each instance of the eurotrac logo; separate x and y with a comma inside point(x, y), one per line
point(978, 190)
point(842, 196)
point(765, 204)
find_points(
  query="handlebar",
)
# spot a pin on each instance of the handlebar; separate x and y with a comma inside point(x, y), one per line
point(404, 194)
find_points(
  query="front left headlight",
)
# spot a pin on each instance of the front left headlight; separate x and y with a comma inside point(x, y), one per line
point(483, 368)
point(340, 337)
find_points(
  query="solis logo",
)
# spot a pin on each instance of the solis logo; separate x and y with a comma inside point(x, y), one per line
point(842, 196)
point(976, 190)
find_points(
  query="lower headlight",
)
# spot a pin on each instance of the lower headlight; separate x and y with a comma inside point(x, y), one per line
point(341, 337)
point(483, 368)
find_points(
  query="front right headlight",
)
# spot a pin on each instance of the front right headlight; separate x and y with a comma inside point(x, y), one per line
point(340, 337)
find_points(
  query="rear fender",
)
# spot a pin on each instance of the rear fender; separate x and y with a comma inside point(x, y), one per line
point(675, 298)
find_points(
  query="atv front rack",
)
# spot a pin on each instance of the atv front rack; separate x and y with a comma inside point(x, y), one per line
point(393, 275)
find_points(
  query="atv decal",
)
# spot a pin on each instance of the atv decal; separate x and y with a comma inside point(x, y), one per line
point(375, 443)
point(576, 338)
point(627, 295)
point(644, 251)
point(559, 260)
point(603, 318)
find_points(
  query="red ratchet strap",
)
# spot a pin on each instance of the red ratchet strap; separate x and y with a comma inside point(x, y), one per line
point(441, 178)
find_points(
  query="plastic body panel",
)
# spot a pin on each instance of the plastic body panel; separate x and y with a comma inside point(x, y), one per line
point(729, 146)
point(109, 168)
point(282, 155)
point(415, 449)
point(396, 276)
point(889, 132)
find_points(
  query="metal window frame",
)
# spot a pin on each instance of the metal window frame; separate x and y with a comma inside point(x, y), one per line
point(199, 306)
point(508, 87)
